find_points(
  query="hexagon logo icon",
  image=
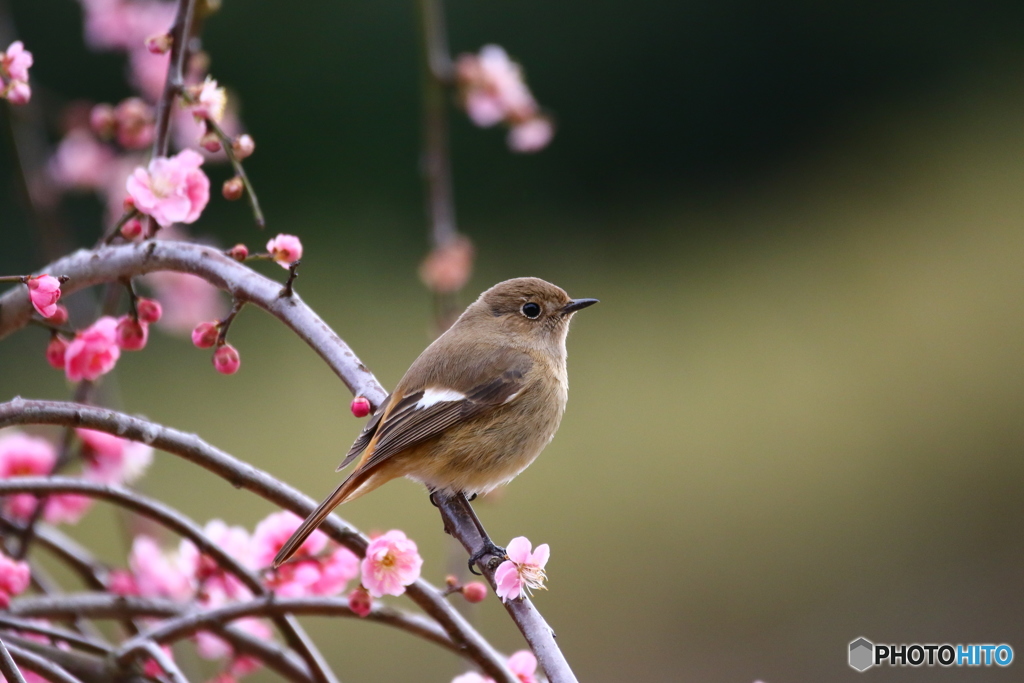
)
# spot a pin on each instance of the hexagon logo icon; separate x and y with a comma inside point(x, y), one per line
point(862, 654)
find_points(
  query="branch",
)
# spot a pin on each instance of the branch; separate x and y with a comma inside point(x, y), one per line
point(46, 668)
point(181, 33)
point(8, 668)
point(243, 475)
point(107, 264)
point(183, 526)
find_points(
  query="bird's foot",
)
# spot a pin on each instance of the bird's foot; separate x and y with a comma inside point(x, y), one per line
point(496, 552)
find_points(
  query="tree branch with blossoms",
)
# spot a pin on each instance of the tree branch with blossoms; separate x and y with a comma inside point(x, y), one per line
point(216, 589)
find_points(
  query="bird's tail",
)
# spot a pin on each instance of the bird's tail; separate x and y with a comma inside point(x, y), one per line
point(356, 485)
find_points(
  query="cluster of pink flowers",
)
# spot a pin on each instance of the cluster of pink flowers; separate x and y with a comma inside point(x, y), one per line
point(106, 459)
point(14, 65)
point(493, 91)
point(523, 664)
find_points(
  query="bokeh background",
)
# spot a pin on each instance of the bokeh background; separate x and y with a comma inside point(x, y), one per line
point(797, 416)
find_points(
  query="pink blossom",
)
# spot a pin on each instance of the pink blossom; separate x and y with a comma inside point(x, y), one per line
point(523, 571)
point(360, 602)
point(243, 146)
point(392, 562)
point(81, 162)
point(24, 456)
point(15, 61)
point(336, 571)
point(149, 310)
point(112, 460)
point(43, 292)
point(472, 677)
point(18, 92)
point(14, 579)
point(60, 316)
point(493, 89)
point(159, 574)
point(208, 101)
point(205, 334)
point(172, 190)
point(122, 582)
point(132, 335)
point(219, 585)
point(187, 301)
point(93, 352)
point(276, 528)
point(120, 25)
point(285, 249)
point(226, 359)
point(135, 123)
point(66, 508)
point(148, 72)
point(55, 352)
point(531, 135)
point(524, 665)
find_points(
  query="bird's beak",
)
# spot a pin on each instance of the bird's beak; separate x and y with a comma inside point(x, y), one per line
point(576, 304)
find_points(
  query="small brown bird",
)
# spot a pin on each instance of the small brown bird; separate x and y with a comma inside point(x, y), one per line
point(475, 408)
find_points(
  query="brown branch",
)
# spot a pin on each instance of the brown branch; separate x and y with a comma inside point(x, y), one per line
point(8, 668)
point(181, 34)
point(183, 526)
point(243, 475)
point(54, 633)
point(47, 666)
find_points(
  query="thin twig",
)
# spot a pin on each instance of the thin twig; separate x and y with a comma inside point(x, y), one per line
point(8, 668)
point(226, 143)
point(56, 634)
point(162, 660)
point(37, 664)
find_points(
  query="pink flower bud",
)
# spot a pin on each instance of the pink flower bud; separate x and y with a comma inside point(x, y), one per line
point(239, 252)
point(128, 204)
point(210, 142)
point(159, 43)
point(43, 292)
point(205, 335)
point(149, 310)
point(360, 406)
point(226, 360)
point(135, 123)
point(285, 249)
point(60, 315)
point(131, 334)
point(360, 602)
point(19, 93)
point(102, 121)
point(233, 189)
point(56, 351)
point(122, 582)
point(132, 229)
point(243, 146)
point(474, 591)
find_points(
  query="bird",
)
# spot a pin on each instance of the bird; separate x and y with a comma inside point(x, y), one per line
point(474, 409)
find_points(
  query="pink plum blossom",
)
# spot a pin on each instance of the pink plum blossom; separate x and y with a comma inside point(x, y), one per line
point(336, 571)
point(14, 579)
point(226, 359)
point(56, 351)
point(81, 162)
point(66, 508)
point(159, 574)
point(132, 334)
point(172, 189)
point(14, 65)
point(218, 584)
point(22, 455)
point(276, 528)
point(523, 571)
point(121, 25)
point(472, 677)
point(531, 135)
point(493, 89)
point(148, 72)
point(285, 249)
point(392, 562)
point(134, 123)
point(149, 310)
point(524, 665)
point(208, 101)
point(93, 352)
point(360, 602)
point(112, 460)
point(43, 292)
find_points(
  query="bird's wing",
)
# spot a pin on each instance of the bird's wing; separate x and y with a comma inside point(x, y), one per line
point(428, 411)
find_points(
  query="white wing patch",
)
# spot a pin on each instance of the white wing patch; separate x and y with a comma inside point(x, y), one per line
point(511, 396)
point(434, 396)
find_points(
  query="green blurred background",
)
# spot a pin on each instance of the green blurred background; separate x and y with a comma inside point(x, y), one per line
point(795, 417)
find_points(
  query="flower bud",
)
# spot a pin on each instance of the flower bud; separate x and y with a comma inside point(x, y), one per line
point(19, 92)
point(102, 121)
point(128, 204)
point(131, 335)
point(149, 310)
point(210, 142)
point(474, 591)
point(131, 229)
point(233, 189)
point(243, 146)
point(226, 359)
point(159, 43)
point(205, 334)
point(451, 581)
point(135, 123)
point(360, 602)
point(60, 315)
point(360, 406)
point(239, 252)
point(55, 351)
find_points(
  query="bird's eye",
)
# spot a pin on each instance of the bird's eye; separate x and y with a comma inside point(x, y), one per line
point(531, 310)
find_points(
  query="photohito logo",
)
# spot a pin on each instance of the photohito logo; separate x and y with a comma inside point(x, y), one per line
point(864, 654)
